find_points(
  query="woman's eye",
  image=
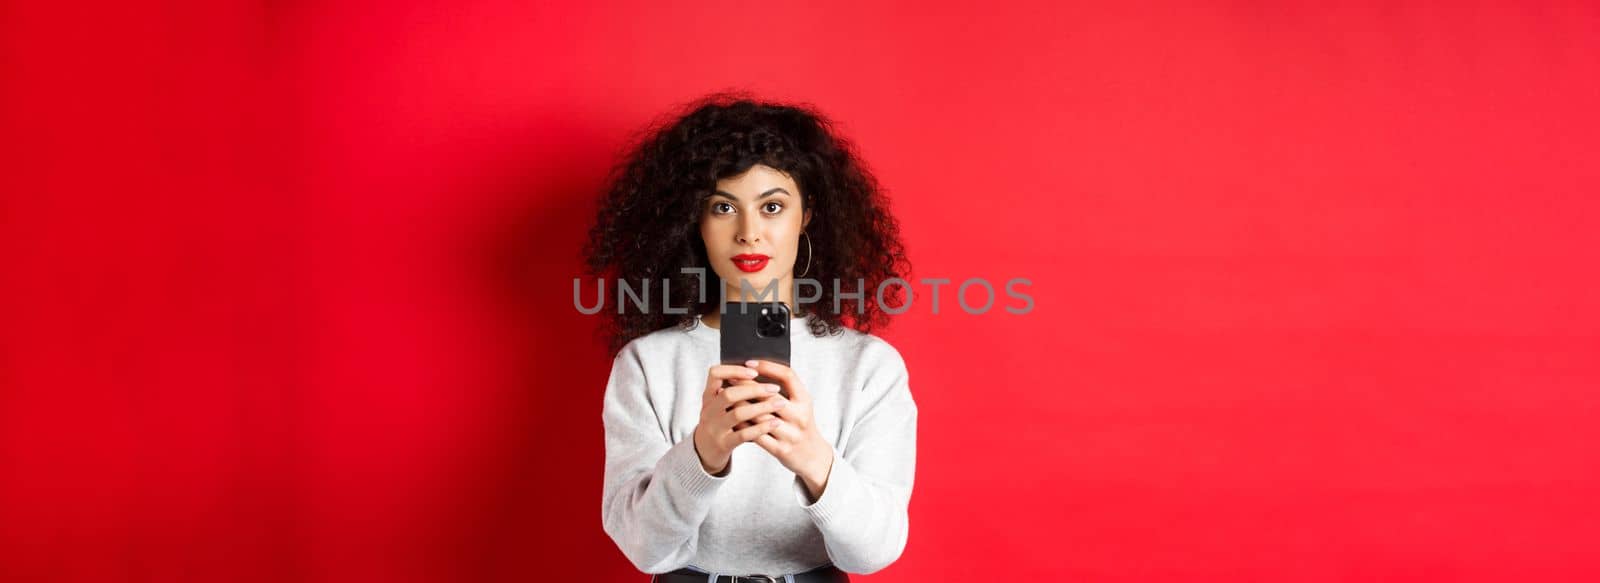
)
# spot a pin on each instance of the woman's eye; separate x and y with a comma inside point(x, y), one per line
point(721, 208)
point(772, 207)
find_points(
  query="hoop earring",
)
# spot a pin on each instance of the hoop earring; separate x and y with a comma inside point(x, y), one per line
point(808, 254)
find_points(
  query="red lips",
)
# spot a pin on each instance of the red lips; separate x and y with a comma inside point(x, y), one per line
point(750, 262)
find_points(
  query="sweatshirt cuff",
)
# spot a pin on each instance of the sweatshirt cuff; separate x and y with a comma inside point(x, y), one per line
point(683, 464)
point(841, 497)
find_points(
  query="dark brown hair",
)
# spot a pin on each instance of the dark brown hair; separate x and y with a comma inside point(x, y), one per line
point(647, 225)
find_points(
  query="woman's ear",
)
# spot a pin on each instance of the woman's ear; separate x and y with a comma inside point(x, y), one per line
point(804, 222)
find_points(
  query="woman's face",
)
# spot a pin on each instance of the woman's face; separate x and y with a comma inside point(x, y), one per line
point(751, 226)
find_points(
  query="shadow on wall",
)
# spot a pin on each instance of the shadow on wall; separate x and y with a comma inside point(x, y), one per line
point(529, 501)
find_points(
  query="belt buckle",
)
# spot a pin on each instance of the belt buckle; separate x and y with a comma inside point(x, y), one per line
point(754, 579)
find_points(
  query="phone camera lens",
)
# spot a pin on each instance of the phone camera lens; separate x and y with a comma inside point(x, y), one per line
point(772, 326)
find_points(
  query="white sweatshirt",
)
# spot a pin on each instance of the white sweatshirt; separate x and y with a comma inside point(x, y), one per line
point(666, 512)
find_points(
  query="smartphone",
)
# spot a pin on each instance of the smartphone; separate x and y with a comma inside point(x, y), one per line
point(755, 330)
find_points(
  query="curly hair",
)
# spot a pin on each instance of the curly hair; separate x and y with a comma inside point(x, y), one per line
point(647, 225)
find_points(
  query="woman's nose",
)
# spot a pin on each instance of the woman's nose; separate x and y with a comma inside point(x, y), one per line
point(748, 234)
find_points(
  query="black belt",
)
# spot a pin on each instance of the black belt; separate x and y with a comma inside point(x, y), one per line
point(823, 574)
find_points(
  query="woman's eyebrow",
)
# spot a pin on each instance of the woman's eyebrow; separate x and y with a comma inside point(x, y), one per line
point(763, 195)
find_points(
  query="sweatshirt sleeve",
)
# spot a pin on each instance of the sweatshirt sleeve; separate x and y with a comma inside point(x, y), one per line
point(656, 493)
point(862, 512)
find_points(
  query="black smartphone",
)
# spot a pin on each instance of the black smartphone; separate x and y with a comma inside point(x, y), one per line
point(755, 330)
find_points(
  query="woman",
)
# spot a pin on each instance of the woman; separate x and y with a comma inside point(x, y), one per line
point(709, 473)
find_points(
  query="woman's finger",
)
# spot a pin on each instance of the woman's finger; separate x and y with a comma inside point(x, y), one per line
point(783, 375)
point(767, 442)
point(754, 431)
point(737, 394)
point(765, 416)
point(726, 372)
point(751, 410)
point(788, 433)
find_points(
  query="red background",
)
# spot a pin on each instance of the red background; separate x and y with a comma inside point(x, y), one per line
point(287, 288)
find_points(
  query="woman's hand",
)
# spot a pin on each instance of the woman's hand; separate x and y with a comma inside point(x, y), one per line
point(796, 443)
point(724, 408)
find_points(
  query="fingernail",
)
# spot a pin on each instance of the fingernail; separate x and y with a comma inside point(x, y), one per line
point(751, 363)
point(772, 388)
point(780, 405)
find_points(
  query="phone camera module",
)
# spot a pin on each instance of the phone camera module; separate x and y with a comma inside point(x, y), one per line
point(772, 326)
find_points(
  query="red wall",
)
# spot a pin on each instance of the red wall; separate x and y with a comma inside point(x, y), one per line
point(287, 289)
